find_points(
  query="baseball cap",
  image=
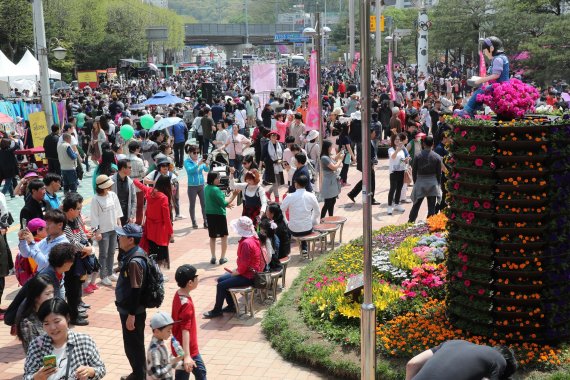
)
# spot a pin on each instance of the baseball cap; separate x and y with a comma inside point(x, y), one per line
point(130, 230)
point(185, 273)
point(160, 320)
point(36, 224)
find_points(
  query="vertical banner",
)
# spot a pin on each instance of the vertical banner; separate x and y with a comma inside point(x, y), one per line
point(354, 63)
point(263, 77)
point(312, 121)
point(482, 68)
point(391, 76)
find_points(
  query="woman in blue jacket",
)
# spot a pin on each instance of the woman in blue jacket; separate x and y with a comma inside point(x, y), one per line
point(195, 167)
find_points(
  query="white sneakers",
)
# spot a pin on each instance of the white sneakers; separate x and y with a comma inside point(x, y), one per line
point(113, 277)
point(390, 210)
point(399, 208)
point(106, 281)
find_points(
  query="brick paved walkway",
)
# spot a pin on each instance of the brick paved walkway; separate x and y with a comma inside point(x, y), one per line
point(231, 348)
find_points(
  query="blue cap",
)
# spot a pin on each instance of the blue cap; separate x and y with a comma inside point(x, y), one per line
point(130, 230)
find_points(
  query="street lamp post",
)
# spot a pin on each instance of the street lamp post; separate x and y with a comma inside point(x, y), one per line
point(368, 310)
point(42, 53)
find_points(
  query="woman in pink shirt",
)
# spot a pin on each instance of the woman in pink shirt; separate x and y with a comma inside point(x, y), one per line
point(282, 124)
point(249, 260)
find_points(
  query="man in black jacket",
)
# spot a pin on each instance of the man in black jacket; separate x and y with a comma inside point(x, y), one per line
point(426, 170)
point(50, 147)
point(35, 205)
point(301, 169)
point(358, 187)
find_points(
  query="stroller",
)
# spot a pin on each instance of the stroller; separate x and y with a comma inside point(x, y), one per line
point(220, 163)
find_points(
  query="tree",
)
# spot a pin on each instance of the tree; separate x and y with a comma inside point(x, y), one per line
point(15, 28)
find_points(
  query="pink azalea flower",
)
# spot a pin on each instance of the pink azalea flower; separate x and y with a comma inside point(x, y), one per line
point(473, 148)
point(479, 162)
point(467, 283)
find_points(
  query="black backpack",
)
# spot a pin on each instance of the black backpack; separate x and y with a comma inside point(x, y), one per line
point(152, 292)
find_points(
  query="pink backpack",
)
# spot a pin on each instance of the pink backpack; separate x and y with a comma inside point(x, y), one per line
point(23, 269)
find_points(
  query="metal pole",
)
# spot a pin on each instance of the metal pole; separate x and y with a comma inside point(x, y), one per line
point(350, 32)
point(42, 52)
point(368, 310)
point(246, 27)
point(378, 41)
point(422, 39)
point(317, 45)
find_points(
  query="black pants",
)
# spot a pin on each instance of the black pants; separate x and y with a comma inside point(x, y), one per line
point(344, 172)
point(396, 183)
point(2, 286)
point(358, 187)
point(418, 204)
point(179, 154)
point(304, 244)
point(200, 139)
point(54, 166)
point(328, 206)
point(72, 285)
point(134, 345)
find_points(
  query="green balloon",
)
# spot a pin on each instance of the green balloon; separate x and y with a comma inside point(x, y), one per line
point(147, 121)
point(127, 132)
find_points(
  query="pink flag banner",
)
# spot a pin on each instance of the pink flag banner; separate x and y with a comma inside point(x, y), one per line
point(482, 68)
point(313, 117)
point(391, 77)
point(355, 62)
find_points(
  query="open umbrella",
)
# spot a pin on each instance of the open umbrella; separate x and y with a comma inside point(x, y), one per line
point(165, 123)
point(164, 98)
point(5, 118)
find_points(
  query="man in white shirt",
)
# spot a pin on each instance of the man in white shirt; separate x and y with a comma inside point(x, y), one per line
point(303, 210)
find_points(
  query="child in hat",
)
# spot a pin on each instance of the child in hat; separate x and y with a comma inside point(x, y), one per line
point(159, 363)
point(185, 331)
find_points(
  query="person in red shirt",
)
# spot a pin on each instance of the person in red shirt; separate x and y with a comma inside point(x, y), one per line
point(158, 226)
point(185, 331)
point(249, 261)
point(341, 88)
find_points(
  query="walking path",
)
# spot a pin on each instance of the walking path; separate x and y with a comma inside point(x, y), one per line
point(231, 348)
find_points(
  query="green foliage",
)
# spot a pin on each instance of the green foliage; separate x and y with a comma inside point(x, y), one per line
point(15, 27)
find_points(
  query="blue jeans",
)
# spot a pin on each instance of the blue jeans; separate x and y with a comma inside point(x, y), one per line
point(199, 371)
point(237, 165)
point(70, 181)
point(473, 105)
point(225, 282)
point(8, 188)
point(107, 247)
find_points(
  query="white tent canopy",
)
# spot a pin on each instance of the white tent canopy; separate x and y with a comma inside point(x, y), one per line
point(25, 75)
point(29, 66)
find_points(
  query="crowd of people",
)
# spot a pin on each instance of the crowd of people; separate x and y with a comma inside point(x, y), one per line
point(237, 148)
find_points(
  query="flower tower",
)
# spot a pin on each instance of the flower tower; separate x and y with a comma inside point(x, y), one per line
point(509, 228)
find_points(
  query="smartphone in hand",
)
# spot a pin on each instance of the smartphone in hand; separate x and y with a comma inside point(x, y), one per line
point(50, 361)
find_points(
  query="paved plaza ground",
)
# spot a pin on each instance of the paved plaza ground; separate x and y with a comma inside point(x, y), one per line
point(231, 348)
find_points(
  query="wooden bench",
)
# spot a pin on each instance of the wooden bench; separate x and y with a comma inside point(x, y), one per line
point(247, 293)
point(340, 220)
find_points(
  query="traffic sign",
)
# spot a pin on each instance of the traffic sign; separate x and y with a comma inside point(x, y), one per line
point(290, 37)
point(373, 24)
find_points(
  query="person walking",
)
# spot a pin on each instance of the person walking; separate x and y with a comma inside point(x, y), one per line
point(68, 161)
point(50, 148)
point(358, 187)
point(397, 160)
point(125, 189)
point(426, 169)
point(128, 298)
point(9, 167)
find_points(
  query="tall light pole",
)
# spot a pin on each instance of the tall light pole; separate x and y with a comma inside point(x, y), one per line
point(246, 27)
point(351, 32)
point(423, 27)
point(42, 52)
point(368, 310)
point(378, 39)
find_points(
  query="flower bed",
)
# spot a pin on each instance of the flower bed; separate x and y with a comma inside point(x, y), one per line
point(411, 295)
point(508, 199)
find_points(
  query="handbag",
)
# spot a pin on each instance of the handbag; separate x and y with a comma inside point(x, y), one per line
point(262, 280)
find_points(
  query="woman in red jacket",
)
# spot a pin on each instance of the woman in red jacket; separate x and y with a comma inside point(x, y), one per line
point(158, 223)
point(249, 261)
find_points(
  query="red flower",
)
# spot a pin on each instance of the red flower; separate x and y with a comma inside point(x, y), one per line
point(456, 186)
point(476, 204)
point(473, 148)
point(479, 162)
point(481, 291)
point(467, 283)
point(487, 204)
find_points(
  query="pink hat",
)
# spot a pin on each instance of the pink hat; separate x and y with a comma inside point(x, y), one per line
point(421, 135)
point(36, 224)
point(31, 174)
